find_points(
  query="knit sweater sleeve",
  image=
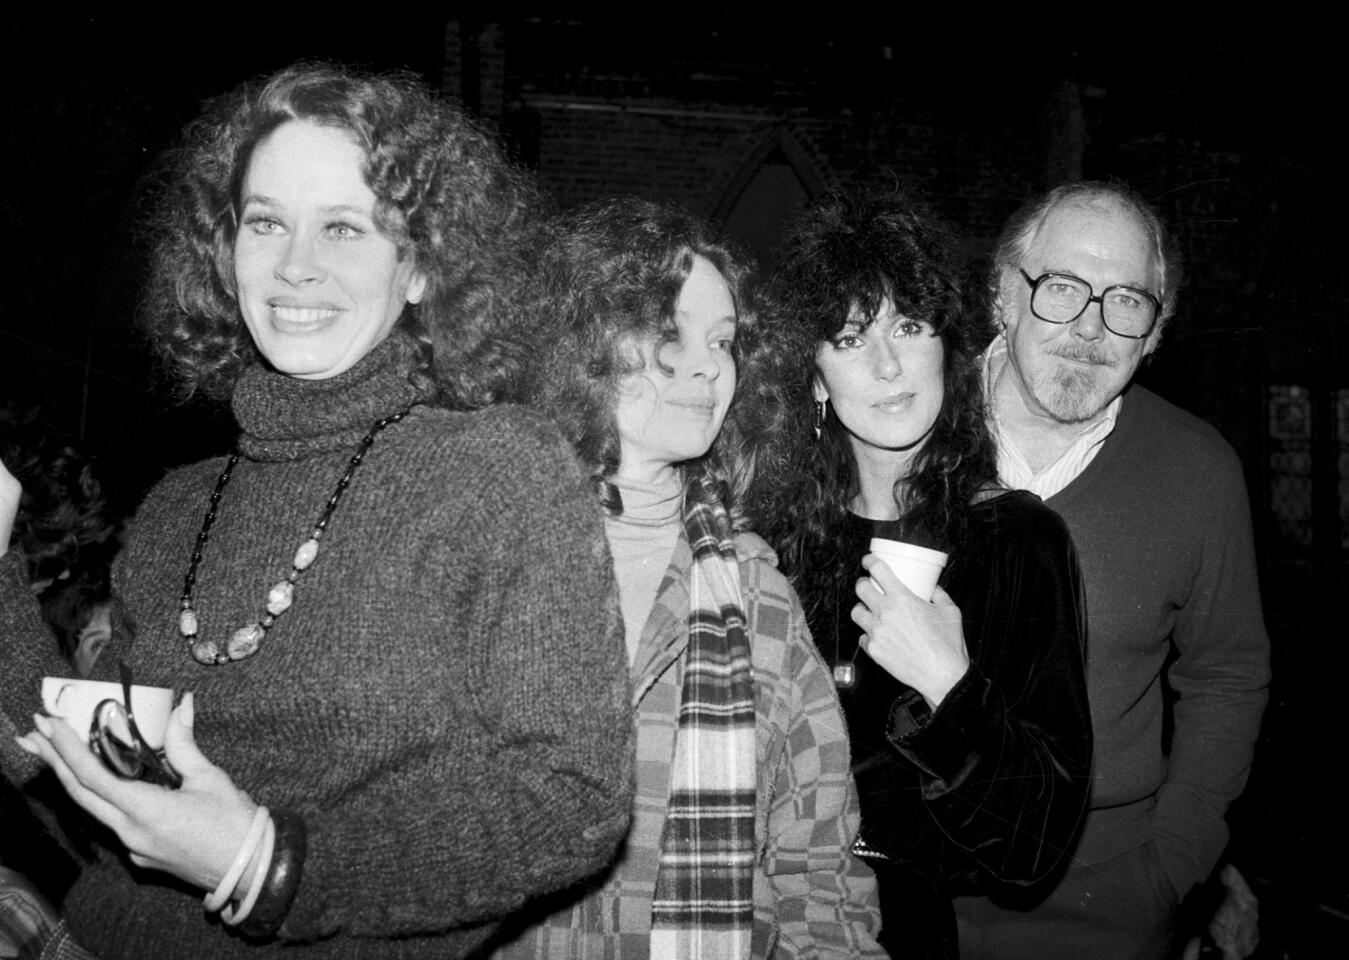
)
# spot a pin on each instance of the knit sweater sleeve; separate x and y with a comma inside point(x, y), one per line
point(1220, 678)
point(536, 793)
point(28, 652)
point(824, 898)
point(1004, 762)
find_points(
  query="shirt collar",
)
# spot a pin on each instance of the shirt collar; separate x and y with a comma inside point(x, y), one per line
point(1013, 469)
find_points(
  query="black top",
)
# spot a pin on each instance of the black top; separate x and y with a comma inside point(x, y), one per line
point(984, 795)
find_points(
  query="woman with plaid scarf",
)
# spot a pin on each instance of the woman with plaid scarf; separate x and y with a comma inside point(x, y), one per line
point(745, 808)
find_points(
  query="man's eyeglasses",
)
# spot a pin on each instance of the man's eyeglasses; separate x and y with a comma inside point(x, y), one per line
point(1060, 298)
point(118, 742)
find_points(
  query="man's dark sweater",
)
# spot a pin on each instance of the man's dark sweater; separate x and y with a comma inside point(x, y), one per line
point(1162, 528)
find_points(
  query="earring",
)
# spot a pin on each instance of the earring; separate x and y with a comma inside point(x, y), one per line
point(819, 417)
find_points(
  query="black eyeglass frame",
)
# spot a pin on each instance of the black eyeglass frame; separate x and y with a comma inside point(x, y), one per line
point(1094, 298)
point(142, 761)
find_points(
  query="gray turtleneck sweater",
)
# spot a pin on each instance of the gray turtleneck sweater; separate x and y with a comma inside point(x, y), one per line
point(642, 540)
point(445, 704)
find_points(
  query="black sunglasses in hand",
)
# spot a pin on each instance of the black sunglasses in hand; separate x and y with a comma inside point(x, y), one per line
point(116, 739)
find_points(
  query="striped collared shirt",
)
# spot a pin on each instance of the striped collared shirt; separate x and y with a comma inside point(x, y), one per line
point(1013, 468)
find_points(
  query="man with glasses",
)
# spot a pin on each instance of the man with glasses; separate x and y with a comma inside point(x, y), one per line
point(1084, 280)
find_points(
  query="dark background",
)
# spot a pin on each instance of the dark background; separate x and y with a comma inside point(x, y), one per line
point(1232, 128)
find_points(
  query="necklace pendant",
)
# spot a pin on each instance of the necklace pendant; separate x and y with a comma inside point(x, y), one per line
point(245, 642)
point(205, 652)
point(280, 597)
point(845, 674)
point(306, 555)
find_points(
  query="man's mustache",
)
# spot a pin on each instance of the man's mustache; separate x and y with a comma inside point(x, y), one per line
point(1097, 357)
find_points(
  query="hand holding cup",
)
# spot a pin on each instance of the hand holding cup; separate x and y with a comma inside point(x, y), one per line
point(920, 644)
point(918, 568)
point(192, 832)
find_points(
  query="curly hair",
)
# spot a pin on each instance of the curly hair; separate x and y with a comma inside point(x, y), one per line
point(63, 514)
point(614, 270)
point(444, 194)
point(1014, 243)
point(846, 257)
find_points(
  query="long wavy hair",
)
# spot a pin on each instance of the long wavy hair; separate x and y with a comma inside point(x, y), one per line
point(613, 271)
point(444, 194)
point(851, 254)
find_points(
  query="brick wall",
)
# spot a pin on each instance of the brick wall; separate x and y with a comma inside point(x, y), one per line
point(1228, 208)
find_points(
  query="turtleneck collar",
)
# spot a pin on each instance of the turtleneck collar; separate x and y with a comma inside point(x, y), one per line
point(286, 418)
point(650, 504)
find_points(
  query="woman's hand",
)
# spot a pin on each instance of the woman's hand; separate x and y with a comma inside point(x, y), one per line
point(193, 832)
point(10, 491)
point(919, 644)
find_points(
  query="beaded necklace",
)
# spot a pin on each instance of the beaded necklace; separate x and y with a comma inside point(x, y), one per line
point(245, 641)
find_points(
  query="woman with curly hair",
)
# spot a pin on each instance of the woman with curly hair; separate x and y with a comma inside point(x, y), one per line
point(63, 516)
point(407, 709)
point(62, 527)
point(744, 808)
point(967, 714)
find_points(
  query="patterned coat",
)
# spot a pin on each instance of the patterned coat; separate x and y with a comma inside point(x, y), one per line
point(811, 897)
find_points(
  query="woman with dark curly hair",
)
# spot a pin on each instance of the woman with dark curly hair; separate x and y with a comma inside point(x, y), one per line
point(744, 808)
point(62, 527)
point(63, 516)
point(967, 714)
point(393, 618)
point(79, 612)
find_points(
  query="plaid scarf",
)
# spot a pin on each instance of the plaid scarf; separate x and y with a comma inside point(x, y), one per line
point(62, 946)
point(704, 906)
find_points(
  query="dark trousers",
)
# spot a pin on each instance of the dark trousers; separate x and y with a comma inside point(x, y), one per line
point(1119, 909)
point(917, 922)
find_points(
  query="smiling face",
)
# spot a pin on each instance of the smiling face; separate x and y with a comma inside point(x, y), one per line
point(667, 418)
point(885, 383)
point(1069, 373)
point(319, 285)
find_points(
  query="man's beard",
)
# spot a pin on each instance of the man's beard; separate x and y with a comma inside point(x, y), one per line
point(1073, 393)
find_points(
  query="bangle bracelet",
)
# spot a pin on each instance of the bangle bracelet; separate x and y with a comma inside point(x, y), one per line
point(283, 877)
point(218, 897)
point(229, 914)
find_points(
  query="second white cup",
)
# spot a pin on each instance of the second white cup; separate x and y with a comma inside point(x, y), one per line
point(916, 567)
point(75, 700)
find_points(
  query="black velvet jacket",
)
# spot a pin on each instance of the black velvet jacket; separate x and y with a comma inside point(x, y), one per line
point(986, 794)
